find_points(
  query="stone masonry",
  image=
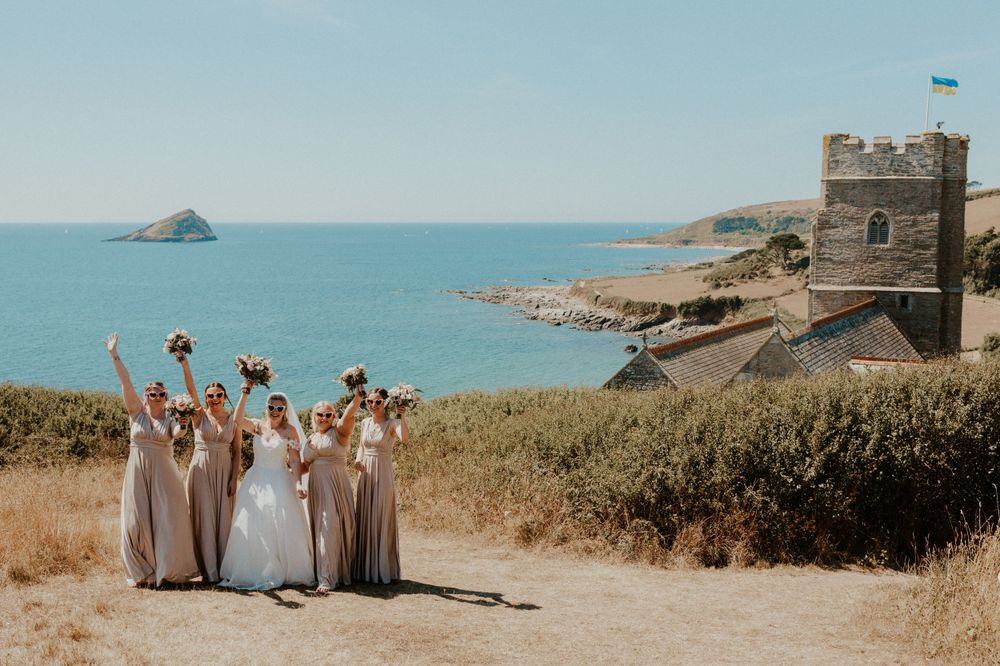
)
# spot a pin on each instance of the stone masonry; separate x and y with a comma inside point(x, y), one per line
point(919, 186)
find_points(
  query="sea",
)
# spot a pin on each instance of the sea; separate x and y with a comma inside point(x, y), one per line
point(315, 298)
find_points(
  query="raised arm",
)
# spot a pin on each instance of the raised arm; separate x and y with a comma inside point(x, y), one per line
point(189, 385)
point(239, 416)
point(133, 403)
point(345, 424)
point(402, 428)
point(250, 425)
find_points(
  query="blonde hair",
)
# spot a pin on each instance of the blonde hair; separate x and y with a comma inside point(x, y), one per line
point(318, 406)
point(278, 397)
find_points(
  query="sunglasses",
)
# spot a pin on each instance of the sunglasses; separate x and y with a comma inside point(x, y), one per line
point(375, 401)
point(276, 408)
point(156, 394)
point(324, 415)
point(215, 396)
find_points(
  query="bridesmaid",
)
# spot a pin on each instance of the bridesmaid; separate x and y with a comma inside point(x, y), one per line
point(376, 545)
point(214, 469)
point(156, 542)
point(331, 507)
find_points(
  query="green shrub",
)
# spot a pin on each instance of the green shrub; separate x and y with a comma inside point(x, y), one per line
point(708, 308)
point(728, 225)
point(786, 222)
point(991, 343)
point(828, 469)
point(981, 265)
point(825, 469)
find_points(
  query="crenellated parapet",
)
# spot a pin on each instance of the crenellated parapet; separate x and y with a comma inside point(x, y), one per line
point(892, 228)
point(927, 155)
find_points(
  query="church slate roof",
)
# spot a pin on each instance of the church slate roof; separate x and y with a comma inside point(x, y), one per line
point(861, 330)
point(713, 358)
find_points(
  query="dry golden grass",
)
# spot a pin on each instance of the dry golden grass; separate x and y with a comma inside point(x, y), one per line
point(952, 611)
point(57, 520)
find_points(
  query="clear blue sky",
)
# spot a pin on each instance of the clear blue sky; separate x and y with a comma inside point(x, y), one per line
point(304, 110)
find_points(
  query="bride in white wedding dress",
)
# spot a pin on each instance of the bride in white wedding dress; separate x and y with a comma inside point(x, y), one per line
point(269, 542)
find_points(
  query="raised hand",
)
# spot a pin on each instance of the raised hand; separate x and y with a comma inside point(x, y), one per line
point(181, 357)
point(111, 342)
point(401, 411)
point(246, 386)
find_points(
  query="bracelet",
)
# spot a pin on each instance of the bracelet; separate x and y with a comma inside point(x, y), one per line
point(245, 391)
point(115, 358)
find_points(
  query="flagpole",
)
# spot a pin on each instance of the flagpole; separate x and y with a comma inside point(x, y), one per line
point(927, 111)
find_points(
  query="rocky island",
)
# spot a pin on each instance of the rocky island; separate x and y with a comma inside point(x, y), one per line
point(183, 227)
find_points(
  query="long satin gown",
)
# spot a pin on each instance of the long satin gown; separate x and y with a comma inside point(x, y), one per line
point(156, 543)
point(208, 493)
point(269, 542)
point(331, 508)
point(376, 545)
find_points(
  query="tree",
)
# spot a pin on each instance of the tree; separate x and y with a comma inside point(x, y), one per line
point(973, 185)
point(981, 265)
point(779, 248)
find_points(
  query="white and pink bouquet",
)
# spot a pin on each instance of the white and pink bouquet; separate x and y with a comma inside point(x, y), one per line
point(255, 369)
point(181, 406)
point(179, 340)
point(403, 395)
point(354, 377)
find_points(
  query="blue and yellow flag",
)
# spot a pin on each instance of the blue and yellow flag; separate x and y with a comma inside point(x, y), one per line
point(939, 84)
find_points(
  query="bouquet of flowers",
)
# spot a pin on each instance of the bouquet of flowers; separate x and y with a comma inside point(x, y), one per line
point(181, 406)
point(403, 395)
point(255, 369)
point(179, 341)
point(354, 377)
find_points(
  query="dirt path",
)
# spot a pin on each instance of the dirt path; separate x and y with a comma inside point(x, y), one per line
point(464, 603)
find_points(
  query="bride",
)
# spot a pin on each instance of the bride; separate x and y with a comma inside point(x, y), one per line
point(269, 541)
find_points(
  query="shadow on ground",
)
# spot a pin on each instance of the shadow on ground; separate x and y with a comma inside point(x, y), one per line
point(391, 591)
point(405, 587)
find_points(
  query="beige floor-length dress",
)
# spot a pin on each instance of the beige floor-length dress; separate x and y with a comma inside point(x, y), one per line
point(331, 508)
point(376, 546)
point(207, 493)
point(156, 541)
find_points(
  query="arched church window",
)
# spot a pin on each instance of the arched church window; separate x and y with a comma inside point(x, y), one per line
point(878, 229)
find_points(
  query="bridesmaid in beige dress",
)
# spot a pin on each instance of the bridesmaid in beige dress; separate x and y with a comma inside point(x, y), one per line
point(214, 469)
point(156, 542)
point(331, 506)
point(376, 549)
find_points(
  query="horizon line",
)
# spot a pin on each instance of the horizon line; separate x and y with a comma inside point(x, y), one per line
point(74, 222)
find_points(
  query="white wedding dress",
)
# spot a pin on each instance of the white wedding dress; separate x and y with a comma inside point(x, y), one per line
point(270, 544)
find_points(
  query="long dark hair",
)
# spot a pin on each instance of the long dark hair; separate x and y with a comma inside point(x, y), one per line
point(204, 393)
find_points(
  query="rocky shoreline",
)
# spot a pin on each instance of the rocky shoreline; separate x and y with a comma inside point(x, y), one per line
point(557, 306)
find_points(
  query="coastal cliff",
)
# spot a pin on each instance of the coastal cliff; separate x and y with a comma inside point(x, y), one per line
point(183, 227)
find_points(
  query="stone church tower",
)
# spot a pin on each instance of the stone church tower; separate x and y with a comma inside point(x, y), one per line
point(892, 227)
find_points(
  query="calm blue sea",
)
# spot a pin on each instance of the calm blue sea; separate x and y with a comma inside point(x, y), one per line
point(314, 297)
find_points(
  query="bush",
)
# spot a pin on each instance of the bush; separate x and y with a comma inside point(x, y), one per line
point(991, 343)
point(981, 265)
point(786, 222)
point(728, 225)
point(709, 309)
point(830, 469)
